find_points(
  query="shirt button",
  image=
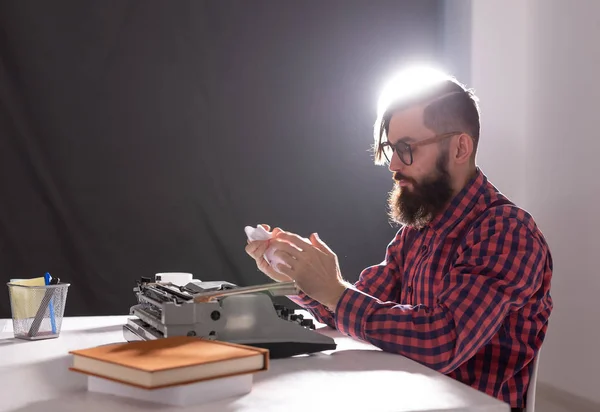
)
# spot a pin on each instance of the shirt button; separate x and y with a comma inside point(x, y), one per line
point(409, 289)
point(423, 249)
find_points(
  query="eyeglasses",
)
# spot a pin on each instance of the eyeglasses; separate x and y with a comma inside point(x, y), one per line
point(405, 150)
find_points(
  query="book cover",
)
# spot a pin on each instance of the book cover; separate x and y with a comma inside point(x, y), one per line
point(169, 361)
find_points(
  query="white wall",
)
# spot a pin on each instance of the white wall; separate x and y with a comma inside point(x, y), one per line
point(497, 53)
point(535, 64)
point(563, 164)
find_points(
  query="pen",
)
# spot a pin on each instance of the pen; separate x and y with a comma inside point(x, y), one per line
point(48, 281)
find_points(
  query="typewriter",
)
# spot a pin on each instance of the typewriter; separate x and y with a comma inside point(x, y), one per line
point(224, 311)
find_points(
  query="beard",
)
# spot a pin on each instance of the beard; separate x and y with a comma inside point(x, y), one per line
point(420, 204)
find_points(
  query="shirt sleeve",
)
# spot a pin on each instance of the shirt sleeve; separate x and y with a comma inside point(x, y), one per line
point(498, 271)
point(382, 280)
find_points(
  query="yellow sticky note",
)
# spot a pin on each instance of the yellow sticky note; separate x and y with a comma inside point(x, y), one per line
point(24, 301)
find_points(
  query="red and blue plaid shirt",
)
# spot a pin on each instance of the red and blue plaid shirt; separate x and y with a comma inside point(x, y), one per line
point(468, 295)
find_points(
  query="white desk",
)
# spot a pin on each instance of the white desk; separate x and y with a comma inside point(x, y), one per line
point(355, 377)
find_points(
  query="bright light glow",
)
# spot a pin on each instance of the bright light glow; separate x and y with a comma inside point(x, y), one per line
point(407, 83)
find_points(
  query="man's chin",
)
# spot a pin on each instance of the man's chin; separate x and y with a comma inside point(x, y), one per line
point(408, 189)
point(400, 193)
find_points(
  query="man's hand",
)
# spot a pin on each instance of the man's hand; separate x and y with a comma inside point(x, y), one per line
point(256, 249)
point(312, 264)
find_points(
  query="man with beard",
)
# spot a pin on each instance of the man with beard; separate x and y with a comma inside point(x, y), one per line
point(465, 284)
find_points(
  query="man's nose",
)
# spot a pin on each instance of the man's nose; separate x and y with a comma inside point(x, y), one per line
point(396, 165)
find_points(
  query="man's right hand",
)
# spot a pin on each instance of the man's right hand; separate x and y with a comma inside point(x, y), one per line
point(257, 248)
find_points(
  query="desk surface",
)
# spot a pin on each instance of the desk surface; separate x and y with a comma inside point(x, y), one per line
point(34, 377)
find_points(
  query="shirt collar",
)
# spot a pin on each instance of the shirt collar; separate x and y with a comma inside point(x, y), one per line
point(461, 204)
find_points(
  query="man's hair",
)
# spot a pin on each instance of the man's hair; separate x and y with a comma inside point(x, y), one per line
point(449, 107)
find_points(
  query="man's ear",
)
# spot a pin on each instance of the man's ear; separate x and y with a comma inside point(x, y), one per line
point(463, 148)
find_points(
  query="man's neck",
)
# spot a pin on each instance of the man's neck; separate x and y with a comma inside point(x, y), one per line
point(462, 179)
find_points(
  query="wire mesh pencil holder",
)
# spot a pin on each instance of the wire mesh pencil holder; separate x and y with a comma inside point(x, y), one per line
point(37, 311)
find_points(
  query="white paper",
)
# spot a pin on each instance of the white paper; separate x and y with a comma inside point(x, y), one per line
point(182, 395)
point(260, 233)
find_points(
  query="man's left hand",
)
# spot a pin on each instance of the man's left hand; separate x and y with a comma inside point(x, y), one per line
point(312, 264)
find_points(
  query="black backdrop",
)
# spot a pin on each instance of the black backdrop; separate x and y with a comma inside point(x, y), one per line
point(139, 137)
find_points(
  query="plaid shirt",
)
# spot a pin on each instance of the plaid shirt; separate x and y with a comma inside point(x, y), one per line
point(468, 295)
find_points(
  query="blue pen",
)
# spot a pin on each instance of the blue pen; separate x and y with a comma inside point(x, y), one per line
point(47, 279)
